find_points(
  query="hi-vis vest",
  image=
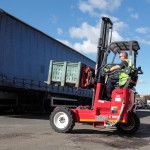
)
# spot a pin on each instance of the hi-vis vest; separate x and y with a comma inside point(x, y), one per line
point(123, 76)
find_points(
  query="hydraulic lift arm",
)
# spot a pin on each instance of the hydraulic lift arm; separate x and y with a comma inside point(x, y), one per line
point(104, 40)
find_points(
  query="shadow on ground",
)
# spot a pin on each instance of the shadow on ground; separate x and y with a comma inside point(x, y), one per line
point(26, 115)
point(113, 138)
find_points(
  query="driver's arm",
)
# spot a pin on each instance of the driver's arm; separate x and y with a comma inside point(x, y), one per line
point(114, 68)
point(122, 65)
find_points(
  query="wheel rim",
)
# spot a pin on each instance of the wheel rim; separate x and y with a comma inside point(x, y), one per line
point(61, 120)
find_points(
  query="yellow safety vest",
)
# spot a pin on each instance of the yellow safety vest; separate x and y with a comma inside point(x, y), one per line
point(123, 76)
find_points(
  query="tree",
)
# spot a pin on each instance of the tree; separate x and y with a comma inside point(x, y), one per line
point(147, 97)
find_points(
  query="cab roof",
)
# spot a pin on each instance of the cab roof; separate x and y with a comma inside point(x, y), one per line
point(124, 46)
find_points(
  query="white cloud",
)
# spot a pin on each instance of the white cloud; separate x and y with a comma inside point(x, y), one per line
point(135, 15)
point(143, 30)
point(85, 31)
point(65, 42)
point(120, 26)
point(59, 31)
point(86, 47)
point(93, 7)
point(143, 41)
point(90, 35)
point(147, 42)
point(116, 36)
point(85, 7)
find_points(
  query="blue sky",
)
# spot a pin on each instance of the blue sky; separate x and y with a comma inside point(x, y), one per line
point(77, 24)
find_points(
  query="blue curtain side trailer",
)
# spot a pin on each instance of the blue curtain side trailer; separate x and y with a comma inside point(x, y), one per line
point(25, 54)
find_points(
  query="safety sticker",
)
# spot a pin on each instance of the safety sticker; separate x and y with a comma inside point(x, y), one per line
point(118, 99)
point(114, 109)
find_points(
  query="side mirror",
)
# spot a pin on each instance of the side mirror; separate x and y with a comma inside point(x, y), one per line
point(140, 70)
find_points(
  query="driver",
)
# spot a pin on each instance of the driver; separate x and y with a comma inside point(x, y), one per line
point(112, 80)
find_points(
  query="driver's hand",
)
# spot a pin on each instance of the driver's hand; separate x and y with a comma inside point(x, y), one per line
point(106, 69)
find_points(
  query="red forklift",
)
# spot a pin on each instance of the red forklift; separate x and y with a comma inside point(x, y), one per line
point(120, 110)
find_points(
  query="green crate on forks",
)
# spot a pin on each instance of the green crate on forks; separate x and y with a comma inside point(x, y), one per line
point(64, 73)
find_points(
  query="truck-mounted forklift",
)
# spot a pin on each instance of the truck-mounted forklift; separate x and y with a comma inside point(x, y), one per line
point(120, 110)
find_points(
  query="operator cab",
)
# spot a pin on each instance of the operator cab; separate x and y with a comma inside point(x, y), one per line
point(114, 49)
point(132, 47)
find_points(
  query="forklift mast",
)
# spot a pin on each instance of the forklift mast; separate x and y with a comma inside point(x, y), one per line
point(104, 40)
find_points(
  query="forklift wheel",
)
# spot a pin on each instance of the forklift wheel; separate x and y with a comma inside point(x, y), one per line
point(132, 126)
point(62, 120)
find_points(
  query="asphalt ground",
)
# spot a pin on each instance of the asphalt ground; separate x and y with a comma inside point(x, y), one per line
point(33, 132)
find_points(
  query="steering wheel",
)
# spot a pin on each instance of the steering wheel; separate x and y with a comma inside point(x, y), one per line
point(110, 72)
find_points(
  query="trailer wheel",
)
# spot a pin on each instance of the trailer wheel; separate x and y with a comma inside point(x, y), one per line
point(62, 120)
point(132, 126)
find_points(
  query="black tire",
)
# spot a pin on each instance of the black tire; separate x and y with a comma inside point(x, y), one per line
point(62, 120)
point(132, 126)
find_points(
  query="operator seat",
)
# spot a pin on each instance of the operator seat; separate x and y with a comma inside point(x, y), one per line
point(132, 80)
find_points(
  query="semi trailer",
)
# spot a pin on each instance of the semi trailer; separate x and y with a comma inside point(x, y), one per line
point(25, 54)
